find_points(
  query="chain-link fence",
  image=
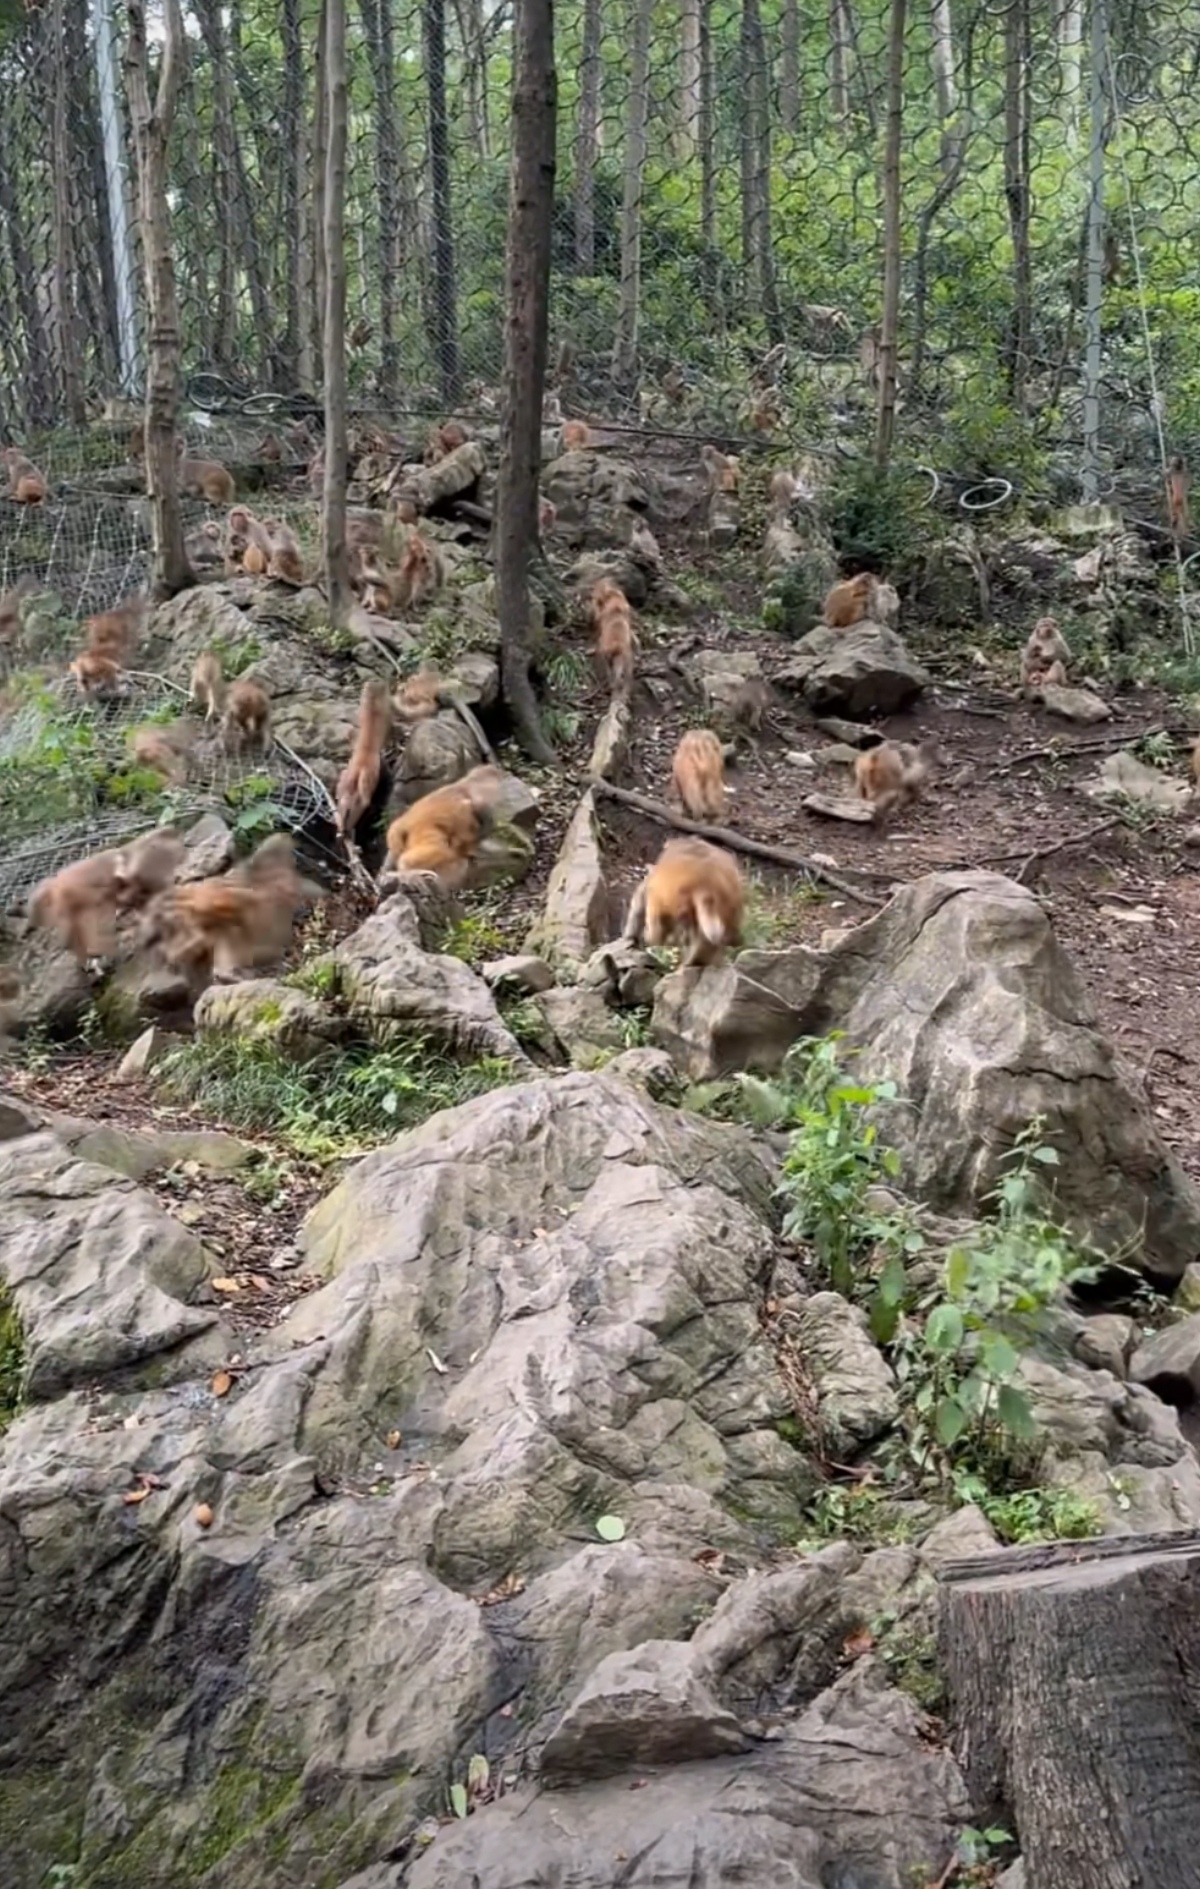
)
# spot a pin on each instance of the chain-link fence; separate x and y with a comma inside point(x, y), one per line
point(719, 194)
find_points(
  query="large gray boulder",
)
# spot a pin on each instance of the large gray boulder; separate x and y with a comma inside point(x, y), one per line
point(859, 672)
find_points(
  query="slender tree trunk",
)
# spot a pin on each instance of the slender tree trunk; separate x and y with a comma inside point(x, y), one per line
point(629, 306)
point(70, 352)
point(839, 69)
point(292, 220)
point(1070, 44)
point(152, 126)
point(1016, 190)
point(890, 322)
point(527, 306)
point(337, 573)
point(316, 305)
point(587, 138)
point(233, 187)
point(756, 171)
point(379, 34)
point(708, 163)
point(688, 131)
point(944, 82)
point(789, 67)
point(444, 312)
point(36, 383)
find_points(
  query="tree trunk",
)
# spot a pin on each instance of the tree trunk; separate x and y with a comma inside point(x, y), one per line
point(1016, 190)
point(527, 321)
point(890, 319)
point(294, 232)
point(587, 138)
point(839, 69)
point(1070, 44)
point(152, 135)
point(315, 311)
point(629, 305)
point(444, 312)
point(943, 60)
point(337, 573)
point(756, 171)
point(379, 33)
point(1074, 1675)
point(789, 67)
point(70, 353)
point(236, 211)
point(35, 385)
point(708, 169)
point(689, 79)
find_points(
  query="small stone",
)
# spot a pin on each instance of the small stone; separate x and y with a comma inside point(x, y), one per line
point(150, 1048)
point(202, 1515)
point(522, 971)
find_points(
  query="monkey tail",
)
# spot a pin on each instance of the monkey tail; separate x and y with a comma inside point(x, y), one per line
point(709, 919)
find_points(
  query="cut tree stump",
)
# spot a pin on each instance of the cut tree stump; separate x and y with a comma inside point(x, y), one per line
point(1074, 1679)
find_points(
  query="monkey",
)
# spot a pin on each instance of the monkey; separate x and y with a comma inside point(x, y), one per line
point(643, 547)
point(419, 698)
point(1046, 646)
point(208, 684)
point(207, 479)
point(113, 632)
point(242, 918)
point(363, 531)
point(300, 439)
point(749, 703)
point(1112, 259)
point(247, 718)
point(247, 545)
point(269, 450)
point(615, 642)
point(360, 333)
point(379, 590)
point(10, 608)
point(360, 777)
point(547, 516)
point(79, 903)
point(204, 545)
point(885, 605)
point(147, 866)
point(893, 774)
point(698, 775)
point(162, 750)
point(785, 488)
point(850, 602)
point(422, 572)
point(722, 469)
point(98, 676)
point(440, 832)
point(576, 436)
point(286, 563)
point(1177, 499)
point(25, 483)
point(1040, 679)
point(1196, 763)
point(693, 893)
point(444, 440)
point(766, 415)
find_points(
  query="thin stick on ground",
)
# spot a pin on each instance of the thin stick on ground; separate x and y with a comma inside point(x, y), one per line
point(1038, 858)
point(736, 842)
point(1103, 744)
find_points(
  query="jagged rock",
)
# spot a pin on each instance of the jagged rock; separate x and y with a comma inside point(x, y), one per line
point(436, 752)
point(641, 1707)
point(957, 1537)
point(575, 917)
point(1123, 776)
point(478, 677)
point(1169, 1361)
point(1075, 704)
point(134, 1154)
point(866, 670)
point(832, 807)
point(143, 987)
point(1106, 1342)
point(55, 989)
point(594, 496)
point(718, 674)
point(1186, 1296)
point(625, 971)
point(139, 1059)
point(385, 977)
point(852, 1785)
point(996, 1028)
point(210, 849)
point(649, 1069)
point(99, 1274)
point(854, 1386)
point(744, 1014)
point(503, 857)
point(579, 1021)
point(617, 565)
point(261, 1010)
point(524, 972)
point(724, 520)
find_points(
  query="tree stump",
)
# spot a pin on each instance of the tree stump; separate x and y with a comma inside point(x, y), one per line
point(1074, 1678)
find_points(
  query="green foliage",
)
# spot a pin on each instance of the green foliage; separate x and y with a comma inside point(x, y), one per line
point(256, 814)
point(340, 1102)
point(833, 1159)
point(237, 654)
point(473, 937)
point(878, 518)
point(1157, 750)
point(792, 601)
point(12, 1360)
point(1030, 1515)
point(856, 1512)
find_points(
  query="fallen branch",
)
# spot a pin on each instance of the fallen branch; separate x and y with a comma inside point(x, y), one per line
point(1103, 745)
point(737, 842)
point(1047, 852)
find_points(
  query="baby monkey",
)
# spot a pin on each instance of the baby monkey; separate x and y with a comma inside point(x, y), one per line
point(1046, 656)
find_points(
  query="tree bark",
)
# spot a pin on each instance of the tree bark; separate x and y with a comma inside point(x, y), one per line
point(890, 319)
point(943, 60)
point(152, 126)
point(333, 519)
point(1074, 1675)
point(444, 312)
point(295, 362)
point(527, 324)
point(379, 33)
point(587, 138)
point(629, 305)
point(756, 172)
point(789, 67)
point(70, 354)
point(839, 68)
point(1016, 190)
point(689, 79)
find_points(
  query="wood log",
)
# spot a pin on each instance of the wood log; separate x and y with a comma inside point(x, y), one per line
point(429, 486)
point(1074, 1679)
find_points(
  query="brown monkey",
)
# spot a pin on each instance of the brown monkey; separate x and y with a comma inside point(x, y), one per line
point(893, 774)
point(576, 436)
point(207, 479)
point(441, 831)
point(422, 572)
point(163, 750)
point(378, 590)
point(269, 450)
point(615, 642)
point(208, 684)
point(644, 547)
point(749, 703)
point(79, 903)
point(418, 698)
point(204, 546)
point(698, 775)
point(850, 602)
point(785, 488)
point(722, 469)
point(113, 633)
point(26, 483)
point(693, 894)
point(315, 473)
point(1177, 499)
point(147, 866)
point(98, 676)
point(247, 546)
point(1046, 645)
point(444, 440)
point(243, 918)
point(10, 607)
point(360, 777)
point(286, 563)
point(247, 720)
